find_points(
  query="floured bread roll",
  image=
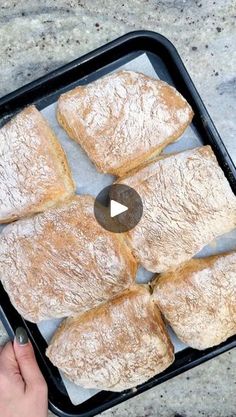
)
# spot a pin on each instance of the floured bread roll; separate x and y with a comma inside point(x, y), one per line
point(62, 262)
point(123, 119)
point(116, 346)
point(199, 300)
point(187, 202)
point(34, 174)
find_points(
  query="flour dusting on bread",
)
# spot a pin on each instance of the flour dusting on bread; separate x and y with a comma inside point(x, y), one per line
point(123, 119)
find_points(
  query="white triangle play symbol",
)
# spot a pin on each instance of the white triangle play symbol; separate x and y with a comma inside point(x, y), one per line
point(116, 208)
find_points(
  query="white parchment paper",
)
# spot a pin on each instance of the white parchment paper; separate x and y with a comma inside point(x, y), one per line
point(89, 181)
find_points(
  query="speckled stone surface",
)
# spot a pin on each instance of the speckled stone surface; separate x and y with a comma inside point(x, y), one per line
point(39, 35)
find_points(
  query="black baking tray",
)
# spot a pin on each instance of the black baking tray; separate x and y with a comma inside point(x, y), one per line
point(45, 91)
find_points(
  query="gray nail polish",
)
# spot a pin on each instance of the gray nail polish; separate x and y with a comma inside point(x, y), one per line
point(21, 336)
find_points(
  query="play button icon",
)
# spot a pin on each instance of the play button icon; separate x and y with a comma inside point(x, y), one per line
point(118, 208)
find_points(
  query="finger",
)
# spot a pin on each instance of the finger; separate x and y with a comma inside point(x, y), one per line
point(8, 363)
point(26, 360)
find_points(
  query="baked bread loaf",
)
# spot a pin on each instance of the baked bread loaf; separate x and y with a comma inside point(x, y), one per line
point(116, 346)
point(61, 262)
point(123, 119)
point(198, 299)
point(187, 202)
point(34, 174)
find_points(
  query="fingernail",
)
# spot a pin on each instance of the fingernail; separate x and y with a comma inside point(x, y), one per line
point(21, 336)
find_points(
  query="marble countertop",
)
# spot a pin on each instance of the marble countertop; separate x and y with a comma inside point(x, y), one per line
point(37, 36)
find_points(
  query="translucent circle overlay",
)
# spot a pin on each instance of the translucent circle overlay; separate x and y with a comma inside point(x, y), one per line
point(124, 195)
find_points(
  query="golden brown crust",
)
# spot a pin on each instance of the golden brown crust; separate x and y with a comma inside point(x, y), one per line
point(34, 173)
point(187, 202)
point(62, 262)
point(123, 119)
point(198, 299)
point(116, 346)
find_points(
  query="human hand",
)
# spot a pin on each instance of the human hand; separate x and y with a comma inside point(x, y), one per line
point(23, 390)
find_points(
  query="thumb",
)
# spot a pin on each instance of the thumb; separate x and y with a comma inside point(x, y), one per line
point(25, 357)
point(8, 363)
